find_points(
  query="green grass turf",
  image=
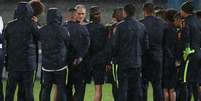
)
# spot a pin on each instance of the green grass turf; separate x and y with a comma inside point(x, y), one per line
point(107, 92)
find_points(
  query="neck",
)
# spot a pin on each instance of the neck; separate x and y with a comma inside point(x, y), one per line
point(80, 22)
point(148, 14)
point(73, 20)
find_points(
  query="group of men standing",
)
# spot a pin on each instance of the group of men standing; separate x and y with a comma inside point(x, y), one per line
point(165, 52)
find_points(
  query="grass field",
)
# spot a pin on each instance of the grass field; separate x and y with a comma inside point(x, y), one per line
point(107, 92)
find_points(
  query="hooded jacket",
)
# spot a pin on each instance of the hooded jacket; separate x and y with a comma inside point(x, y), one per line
point(54, 40)
point(21, 37)
point(193, 27)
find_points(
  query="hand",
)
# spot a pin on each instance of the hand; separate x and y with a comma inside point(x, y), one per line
point(108, 67)
point(177, 63)
point(77, 61)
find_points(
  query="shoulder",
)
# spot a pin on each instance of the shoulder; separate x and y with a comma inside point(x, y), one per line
point(89, 25)
point(139, 23)
point(121, 24)
point(12, 22)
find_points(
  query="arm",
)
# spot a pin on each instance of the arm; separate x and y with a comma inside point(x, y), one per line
point(5, 41)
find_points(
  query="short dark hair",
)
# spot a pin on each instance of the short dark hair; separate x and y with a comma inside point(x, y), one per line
point(129, 9)
point(158, 8)
point(170, 14)
point(148, 7)
point(38, 7)
point(117, 11)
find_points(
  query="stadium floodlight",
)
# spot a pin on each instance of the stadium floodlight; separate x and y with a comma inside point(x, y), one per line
point(1, 25)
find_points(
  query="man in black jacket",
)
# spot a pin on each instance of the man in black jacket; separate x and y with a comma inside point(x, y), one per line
point(152, 59)
point(193, 30)
point(127, 46)
point(54, 40)
point(21, 48)
point(38, 9)
point(96, 55)
point(79, 44)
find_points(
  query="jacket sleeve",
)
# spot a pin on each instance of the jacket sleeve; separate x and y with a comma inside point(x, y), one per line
point(144, 40)
point(35, 31)
point(5, 35)
point(66, 37)
point(115, 41)
point(186, 35)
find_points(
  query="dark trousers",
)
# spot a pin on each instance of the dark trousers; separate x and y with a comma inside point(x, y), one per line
point(128, 86)
point(114, 82)
point(41, 88)
point(186, 91)
point(1, 71)
point(49, 78)
point(76, 79)
point(26, 79)
point(1, 84)
point(157, 89)
point(114, 90)
point(20, 93)
point(111, 78)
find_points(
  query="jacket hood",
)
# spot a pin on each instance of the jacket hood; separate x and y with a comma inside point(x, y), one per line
point(23, 11)
point(54, 16)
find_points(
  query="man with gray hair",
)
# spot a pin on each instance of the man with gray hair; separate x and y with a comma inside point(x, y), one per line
point(78, 50)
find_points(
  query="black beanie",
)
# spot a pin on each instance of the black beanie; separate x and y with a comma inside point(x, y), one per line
point(187, 7)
